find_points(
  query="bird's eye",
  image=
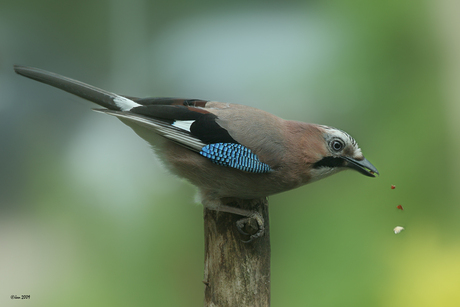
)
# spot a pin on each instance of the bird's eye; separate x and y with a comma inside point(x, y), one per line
point(337, 145)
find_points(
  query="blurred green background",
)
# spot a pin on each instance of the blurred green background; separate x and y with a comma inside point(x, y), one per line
point(89, 217)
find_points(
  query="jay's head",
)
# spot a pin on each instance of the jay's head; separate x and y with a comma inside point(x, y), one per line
point(339, 152)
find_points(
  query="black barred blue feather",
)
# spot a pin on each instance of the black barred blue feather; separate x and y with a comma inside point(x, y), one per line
point(236, 156)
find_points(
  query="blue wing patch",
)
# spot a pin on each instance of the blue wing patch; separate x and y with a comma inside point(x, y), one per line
point(234, 155)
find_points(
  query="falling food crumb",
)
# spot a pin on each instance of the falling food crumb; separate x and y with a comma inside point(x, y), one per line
point(398, 229)
point(393, 187)
point(400, 207)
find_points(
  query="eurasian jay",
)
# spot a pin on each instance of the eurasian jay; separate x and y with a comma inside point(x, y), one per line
point(226, 150)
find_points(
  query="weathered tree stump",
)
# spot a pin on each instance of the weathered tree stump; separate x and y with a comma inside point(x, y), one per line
point(236, 273)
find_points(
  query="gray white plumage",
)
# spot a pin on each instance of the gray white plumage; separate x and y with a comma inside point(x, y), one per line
point(226, 150)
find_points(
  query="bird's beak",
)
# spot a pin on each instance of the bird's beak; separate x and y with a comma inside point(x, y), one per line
point(363, 166)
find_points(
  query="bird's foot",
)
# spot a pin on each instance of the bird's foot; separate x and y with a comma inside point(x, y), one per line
point(251, 225)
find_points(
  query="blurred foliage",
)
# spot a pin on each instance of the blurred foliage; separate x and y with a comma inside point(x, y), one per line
point(89, 217)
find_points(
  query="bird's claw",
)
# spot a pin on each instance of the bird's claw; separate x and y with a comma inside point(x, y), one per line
point(249, 222)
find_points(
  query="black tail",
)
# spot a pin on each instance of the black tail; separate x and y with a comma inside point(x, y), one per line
point(83, 90)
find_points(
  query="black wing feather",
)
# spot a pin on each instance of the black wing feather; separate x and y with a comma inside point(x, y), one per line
point(169, 101)
point(204, 127)
point(209, 131)
point(170, 112)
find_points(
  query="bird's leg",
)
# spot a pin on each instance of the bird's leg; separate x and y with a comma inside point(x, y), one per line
point(252, 220)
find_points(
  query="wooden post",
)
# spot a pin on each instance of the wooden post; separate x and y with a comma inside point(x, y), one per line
point(236, 273)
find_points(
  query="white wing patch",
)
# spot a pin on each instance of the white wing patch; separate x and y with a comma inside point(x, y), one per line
point(183, 124)
point(125, 104)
